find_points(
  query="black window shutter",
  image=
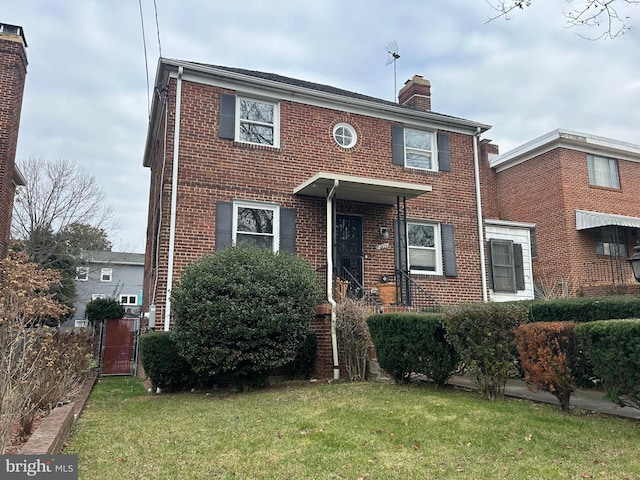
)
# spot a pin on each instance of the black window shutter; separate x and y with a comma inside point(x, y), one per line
point(397, 145)
point(288, 230)
point(518, 264)
point(444, 152)
point(224, 220)
point(490, 269)
point(227, 116)
point(449, 250)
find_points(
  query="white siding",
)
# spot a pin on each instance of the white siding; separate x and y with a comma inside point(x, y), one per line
point(517, 234)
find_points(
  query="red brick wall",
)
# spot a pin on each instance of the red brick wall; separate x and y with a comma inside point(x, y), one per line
point(547, 190)
point(13, 70)
point(215, 169)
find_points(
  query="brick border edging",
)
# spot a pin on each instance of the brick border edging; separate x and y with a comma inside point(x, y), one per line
point(52, 434)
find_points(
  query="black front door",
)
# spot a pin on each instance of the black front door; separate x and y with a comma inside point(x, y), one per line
point(349, 254)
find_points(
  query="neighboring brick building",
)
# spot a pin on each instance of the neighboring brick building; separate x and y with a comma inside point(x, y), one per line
point(13, 70)
point(581, 192)
point(267, 159)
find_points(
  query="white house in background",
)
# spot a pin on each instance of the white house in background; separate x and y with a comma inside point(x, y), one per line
point(510, 247)
point(116, 275)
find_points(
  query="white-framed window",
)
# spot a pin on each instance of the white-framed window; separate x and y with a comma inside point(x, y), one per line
point(424, 247)
point(82, 274)
point(256, 224)
point(128, 300)
point(345, 135)
point(419, 149)
point(603, 172)
point(106, 274)
point(258, 122)
point(95, 296)
point(610, 241)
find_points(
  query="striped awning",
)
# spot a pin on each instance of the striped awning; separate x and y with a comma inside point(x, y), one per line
point(586, 220)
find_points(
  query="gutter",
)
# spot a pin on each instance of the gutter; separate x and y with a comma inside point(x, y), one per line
point(476, 171)
point(332, 302)
point(174, 202)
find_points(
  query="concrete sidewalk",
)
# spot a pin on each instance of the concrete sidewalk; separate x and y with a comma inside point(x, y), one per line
point(592, 400)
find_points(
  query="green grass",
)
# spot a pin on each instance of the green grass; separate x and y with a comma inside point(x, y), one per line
point(343, 431)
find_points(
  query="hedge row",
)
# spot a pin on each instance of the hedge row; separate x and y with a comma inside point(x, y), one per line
point(583, 309)
point(494, 340)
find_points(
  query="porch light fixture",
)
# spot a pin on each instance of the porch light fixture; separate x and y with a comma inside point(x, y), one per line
point(635, 261)
point(384, 233)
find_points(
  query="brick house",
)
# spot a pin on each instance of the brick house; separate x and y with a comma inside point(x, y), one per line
point(579, 192)
point(13, 71)
point(379, 191)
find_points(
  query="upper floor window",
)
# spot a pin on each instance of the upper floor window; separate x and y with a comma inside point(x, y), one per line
point(345, 135)
point(256, 224)
point(424, 248)
point(610, 241)
point(257, 122)
point(128, 299)
point(106, 274)
point(603, 171)
point(82, 274)
point(418, 149)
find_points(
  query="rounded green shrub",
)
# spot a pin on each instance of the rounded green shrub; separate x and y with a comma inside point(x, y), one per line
point(243, 311)
point(103, 309)
point(413, 343)
point(163, 364)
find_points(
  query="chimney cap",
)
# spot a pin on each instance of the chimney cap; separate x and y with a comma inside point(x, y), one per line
point(8, 29)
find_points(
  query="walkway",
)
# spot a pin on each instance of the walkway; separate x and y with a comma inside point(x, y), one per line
point(592, 400)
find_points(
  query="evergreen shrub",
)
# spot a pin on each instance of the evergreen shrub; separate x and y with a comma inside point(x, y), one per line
point(163, 364)
point(413, 343)
point(613, 347)
point(243, 312)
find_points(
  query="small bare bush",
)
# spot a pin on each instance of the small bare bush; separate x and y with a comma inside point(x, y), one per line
point(353, 333)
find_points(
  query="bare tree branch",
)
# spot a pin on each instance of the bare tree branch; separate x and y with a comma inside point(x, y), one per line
point(57, 194)
point(605, 17)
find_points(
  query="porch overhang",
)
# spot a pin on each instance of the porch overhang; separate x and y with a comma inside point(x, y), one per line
point(359, 189)
point(586, 220)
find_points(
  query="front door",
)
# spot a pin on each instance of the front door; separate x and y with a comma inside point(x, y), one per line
point(349, 254)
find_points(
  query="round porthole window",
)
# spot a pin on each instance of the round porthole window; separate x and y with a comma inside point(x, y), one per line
point(345, 135)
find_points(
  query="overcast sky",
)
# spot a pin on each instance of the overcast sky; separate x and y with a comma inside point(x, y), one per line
point(86, 96)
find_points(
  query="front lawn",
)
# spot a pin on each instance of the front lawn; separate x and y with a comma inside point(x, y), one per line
point(343, 431)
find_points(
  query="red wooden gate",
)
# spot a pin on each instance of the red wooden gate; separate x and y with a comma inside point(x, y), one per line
point(118, 345)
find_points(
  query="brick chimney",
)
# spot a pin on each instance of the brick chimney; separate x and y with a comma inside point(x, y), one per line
point(416, 93)
point(13, 70)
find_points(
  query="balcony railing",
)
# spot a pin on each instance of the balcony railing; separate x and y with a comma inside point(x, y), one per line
point(614, 271)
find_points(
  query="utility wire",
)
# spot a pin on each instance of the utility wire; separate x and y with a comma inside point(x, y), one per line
point(146, 63)
point(155, 7)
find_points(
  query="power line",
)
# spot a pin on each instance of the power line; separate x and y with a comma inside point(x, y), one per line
point(146, 63)
point(155, 7)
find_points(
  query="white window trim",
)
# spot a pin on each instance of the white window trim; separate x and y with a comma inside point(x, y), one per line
point(434, 149)
point(106, 272)
point(352, 131)
point(276, 121)
point(82, 274)
point(437, 235)
point(258, 205)
point(135, 297)
point(96, 296)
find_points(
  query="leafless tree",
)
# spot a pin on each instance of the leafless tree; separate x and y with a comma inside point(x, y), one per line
point(607, 18)
point(58, 194)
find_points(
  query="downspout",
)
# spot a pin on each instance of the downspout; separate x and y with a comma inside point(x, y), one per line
point(174, 202)
point(332, 302)
point(476, 169)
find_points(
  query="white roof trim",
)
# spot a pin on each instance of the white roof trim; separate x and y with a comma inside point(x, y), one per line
point(568, 139)
point(360, 189)
point(586, 220)
point(506, 223)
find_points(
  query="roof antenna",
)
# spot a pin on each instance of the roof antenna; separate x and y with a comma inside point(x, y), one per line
point(392, 51)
